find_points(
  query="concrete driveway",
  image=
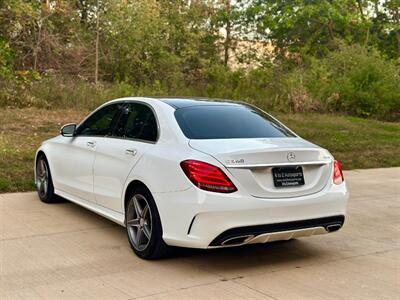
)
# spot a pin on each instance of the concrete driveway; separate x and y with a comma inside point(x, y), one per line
point(64, 251)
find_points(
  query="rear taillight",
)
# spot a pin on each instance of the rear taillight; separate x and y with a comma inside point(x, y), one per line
point(207, 177)
point(337, 173)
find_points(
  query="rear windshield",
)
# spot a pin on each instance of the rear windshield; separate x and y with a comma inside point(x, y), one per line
point(228, 122)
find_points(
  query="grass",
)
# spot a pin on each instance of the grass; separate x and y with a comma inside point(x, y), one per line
point(21, 133)
point(358, 143)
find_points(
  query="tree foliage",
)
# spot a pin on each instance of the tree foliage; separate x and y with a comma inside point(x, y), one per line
point(192, 47)
point(314, 27)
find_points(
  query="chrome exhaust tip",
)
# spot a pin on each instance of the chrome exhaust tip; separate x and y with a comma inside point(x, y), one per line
point(333, 227)
point(237, 240)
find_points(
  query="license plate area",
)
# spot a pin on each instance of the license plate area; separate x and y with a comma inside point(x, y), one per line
point(288, 176)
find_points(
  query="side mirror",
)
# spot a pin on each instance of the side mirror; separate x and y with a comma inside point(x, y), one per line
point(68, 130)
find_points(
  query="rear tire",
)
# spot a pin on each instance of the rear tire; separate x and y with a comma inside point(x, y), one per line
point(44, 182)
point(143, 225)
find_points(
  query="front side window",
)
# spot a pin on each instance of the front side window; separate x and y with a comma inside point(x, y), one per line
point(138, 122)
point(101, 122)
point(228, 122)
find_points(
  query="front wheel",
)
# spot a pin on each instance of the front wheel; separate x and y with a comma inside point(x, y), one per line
point(143, 225)
point(44, 182)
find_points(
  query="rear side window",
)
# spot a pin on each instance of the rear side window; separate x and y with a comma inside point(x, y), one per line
point(137, 121)
point(228, 122)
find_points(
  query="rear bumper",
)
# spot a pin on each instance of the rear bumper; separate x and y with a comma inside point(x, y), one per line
point(199, 219)
point(277, 231)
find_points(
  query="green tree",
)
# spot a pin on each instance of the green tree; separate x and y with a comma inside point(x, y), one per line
point(144, 41)
point(391, 14)
point(307, 26)
point(6, 59)
point(18, 26)
point(229, 22)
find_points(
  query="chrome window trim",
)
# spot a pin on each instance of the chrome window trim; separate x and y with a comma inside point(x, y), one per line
point(120, 137)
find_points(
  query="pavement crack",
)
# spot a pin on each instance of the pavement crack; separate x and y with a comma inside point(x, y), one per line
point(255, 290)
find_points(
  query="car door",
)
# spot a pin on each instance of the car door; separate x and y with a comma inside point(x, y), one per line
point(75, 156)
point(136, 133)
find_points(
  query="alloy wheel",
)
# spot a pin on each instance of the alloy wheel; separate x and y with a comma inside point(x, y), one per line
point(42, 178)
point(139, 222)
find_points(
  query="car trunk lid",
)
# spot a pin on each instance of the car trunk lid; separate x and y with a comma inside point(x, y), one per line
point(252, 161)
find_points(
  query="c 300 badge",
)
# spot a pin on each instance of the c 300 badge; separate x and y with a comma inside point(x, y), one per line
point(234, 161)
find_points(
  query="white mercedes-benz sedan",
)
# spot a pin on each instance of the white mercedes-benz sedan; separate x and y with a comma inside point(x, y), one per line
point(197, 173)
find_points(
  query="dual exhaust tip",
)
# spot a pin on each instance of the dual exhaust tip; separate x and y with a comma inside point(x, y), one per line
point(333, 227)
point(237, 240)
point(243, 239)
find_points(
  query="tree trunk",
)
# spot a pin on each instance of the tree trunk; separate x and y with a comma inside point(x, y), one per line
point(96, 68)
point(36, 50)
point(360, 8)
point(330, 29)
point(227, 43)
point(396, 14)
point(44, 13)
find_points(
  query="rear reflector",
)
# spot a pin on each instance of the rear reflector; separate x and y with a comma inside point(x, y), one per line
point(207, 177)
point(337, 173)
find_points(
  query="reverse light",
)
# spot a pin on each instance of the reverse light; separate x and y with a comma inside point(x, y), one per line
point(207, 177)
point(338, 177)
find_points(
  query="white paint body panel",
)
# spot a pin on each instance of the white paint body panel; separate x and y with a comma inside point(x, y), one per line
point(97, 178)
point(71, 163)
point(115, 159)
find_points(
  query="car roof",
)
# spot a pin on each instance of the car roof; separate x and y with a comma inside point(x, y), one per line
point(181, 102)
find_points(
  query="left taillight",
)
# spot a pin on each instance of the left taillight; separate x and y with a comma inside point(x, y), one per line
point(338, 177)
point(207, 177)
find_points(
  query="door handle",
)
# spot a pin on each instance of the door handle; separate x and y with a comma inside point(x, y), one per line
point(91, 144)
point(131, 152)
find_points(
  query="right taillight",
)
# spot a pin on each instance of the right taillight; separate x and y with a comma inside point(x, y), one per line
point(337, 173)
point(207, 177)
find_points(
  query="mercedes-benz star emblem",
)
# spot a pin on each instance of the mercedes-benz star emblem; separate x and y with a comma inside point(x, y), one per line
point(291, 156)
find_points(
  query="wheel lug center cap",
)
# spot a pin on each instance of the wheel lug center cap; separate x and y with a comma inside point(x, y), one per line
point(141, 222)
